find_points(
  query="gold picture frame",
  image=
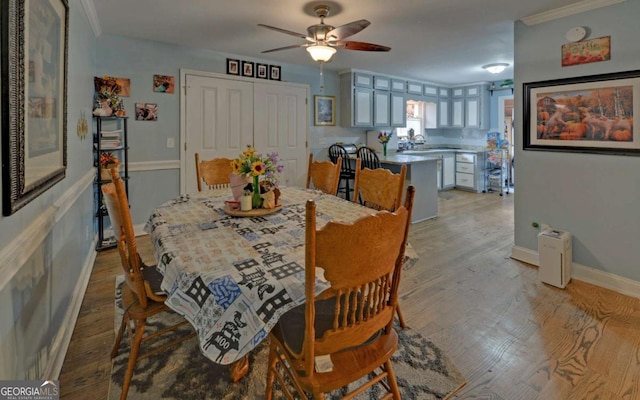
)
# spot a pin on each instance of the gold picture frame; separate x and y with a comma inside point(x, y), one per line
point(324, 110)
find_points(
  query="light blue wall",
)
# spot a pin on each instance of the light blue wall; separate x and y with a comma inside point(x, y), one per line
point(139, 60)
point(37, 297)
point(595, 197)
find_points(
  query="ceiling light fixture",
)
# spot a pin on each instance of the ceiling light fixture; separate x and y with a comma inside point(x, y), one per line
point(321, 53)
point(495, 68)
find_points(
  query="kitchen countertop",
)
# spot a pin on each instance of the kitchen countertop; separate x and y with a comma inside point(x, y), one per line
point(401, 158)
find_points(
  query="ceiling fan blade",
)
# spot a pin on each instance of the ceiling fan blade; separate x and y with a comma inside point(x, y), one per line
point(294, 46)
point(346, 30)
point(300, 35)
point(350, 45)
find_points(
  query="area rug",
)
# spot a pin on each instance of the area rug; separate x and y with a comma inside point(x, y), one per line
point(422, 370)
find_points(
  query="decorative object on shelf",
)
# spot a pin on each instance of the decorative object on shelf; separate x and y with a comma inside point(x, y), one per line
point(107, 96)
point(163, 84)
point(34, 73)
point(107, 161)
point(586, 114)
point(254, 165)
point(146, 112)
point(274, 72)
point(325, 110)
point(507, 84)
point(383, 138)
point(262, 71)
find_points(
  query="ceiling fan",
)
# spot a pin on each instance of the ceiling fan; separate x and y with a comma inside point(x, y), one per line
point(324, 39)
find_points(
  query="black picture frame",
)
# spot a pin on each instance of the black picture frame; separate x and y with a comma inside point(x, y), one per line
point(262, 71)
point(248, 69)
point(233, 66)
point(274, 72)
point(586, 114)
point(35, 158)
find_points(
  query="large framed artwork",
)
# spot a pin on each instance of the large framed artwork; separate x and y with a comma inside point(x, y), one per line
point(587, 114)
point(34, 99)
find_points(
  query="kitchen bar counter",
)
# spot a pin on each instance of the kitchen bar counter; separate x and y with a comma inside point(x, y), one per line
point(422, 174)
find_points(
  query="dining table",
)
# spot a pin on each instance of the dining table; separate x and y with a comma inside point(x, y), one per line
point(232, 277)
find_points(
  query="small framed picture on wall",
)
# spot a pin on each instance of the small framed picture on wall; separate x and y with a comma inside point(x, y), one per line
point(247, 69)
point(274, 72)
point(262, 71)
point(233, 66)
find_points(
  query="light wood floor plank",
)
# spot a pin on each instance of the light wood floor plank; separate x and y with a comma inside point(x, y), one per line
point(511, 336)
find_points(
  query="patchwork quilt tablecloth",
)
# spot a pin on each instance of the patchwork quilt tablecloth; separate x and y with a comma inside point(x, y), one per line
point(233, 277)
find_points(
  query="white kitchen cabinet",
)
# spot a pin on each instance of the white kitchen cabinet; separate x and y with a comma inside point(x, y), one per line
point(430, 91)
point(443, 113)
point(381, 108)
point(362, 107)
point(457, 113)
point(472, 107)
point(468, 171)
point(414, 87)
point(457, 92)
point(362, 80)
point(448, 170)
point(398, 86)
point(381, 83)
point(398, 110)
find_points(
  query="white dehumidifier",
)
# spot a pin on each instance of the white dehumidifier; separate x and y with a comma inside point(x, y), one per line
point(554, 255)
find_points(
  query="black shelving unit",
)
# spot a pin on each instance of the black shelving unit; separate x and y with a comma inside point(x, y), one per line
point(122, 152)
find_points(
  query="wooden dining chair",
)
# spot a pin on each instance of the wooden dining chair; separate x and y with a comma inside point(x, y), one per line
point(380, 189)
point(214, 173)
point(324, 175)
point(351, 322)
point(346, 170)
point(142, 296)
point(369, 158)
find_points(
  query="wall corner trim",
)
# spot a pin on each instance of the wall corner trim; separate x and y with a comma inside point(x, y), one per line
point(571, 9)
point(92, 16)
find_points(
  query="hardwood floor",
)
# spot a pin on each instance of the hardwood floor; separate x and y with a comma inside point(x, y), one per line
point(511, 336)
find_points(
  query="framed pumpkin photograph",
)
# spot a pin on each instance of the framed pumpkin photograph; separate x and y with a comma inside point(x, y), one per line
point(586, 114)
point(34, 100)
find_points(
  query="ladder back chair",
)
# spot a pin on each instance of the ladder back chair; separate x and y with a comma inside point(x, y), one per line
point(213, 173)
point(347, 173)
point(142, 296)
point(369, 158)
point(324, 175)
point(380, 189)
point(351, 322)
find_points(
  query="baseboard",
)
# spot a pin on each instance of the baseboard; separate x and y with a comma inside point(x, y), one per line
point(60, 344)
point(585, 274)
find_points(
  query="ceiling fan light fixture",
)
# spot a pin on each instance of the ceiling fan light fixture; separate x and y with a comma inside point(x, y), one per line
point(321, 53)
point(495, 68)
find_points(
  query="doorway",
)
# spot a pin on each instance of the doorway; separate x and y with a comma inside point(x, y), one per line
point(505, 114)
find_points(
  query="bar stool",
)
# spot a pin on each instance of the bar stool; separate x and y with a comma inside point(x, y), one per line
point(346, 171)
point(369, 158)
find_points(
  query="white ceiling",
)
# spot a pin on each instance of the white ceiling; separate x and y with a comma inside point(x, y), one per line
point(439, 41)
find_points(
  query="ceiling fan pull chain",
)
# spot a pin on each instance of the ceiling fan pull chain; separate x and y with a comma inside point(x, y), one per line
point(321, 78)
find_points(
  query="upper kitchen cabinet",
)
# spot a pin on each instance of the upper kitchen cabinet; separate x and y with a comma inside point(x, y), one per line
point(398, 86)
point(430, 91)
point(414, 88)
point(369, 100)
point(470, 107)
point(443, 108)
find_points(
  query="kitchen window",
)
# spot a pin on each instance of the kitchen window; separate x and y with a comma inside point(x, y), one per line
point(421, 115)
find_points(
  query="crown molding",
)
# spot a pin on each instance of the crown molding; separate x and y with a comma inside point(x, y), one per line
point(571, 9)
point(92, 16)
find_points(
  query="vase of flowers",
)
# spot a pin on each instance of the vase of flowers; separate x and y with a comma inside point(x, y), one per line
point(107, 161)
point(263, 170)
point(383, 138)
